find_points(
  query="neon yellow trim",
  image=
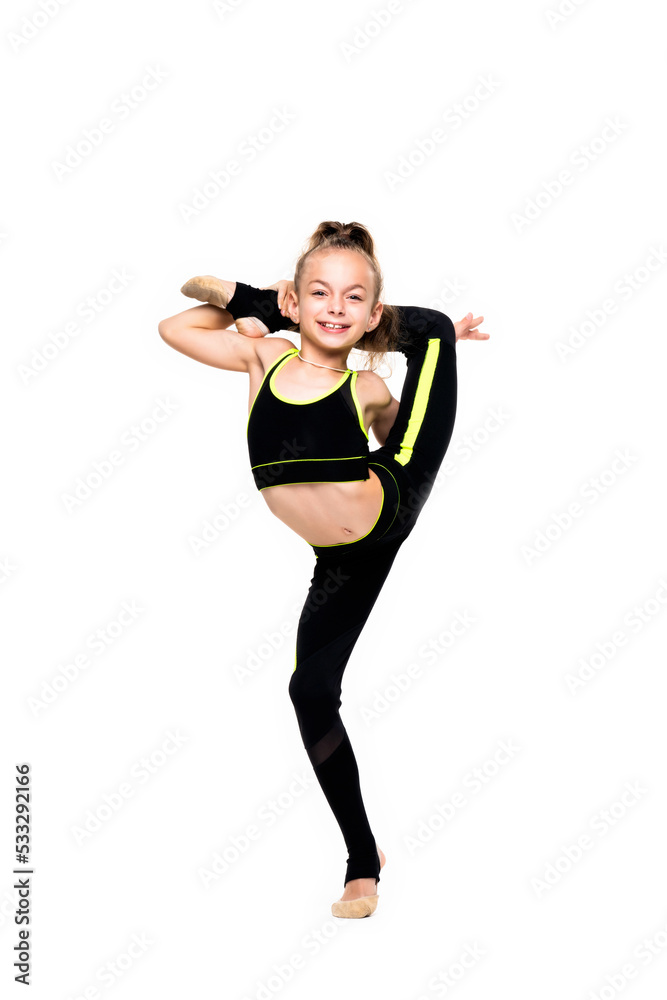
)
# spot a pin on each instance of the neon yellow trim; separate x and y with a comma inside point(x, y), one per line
point(299, 402)
point(419, 405)
point(284, 354)
point(313, 482)
point(294, 659)
point(398, 491)
point(286, 461)
point(335, 545)
point(353, 388)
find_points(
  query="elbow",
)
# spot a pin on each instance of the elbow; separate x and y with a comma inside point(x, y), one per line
point(421, 325)
point(384, 422)
point(438, 325)
point(164, 328)
point(380, 432)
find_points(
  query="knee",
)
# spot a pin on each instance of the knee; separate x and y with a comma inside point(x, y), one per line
point(299, 691)
point(295, 687)
point(312, 694)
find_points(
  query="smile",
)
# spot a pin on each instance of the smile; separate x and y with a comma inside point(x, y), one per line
point(332, 326)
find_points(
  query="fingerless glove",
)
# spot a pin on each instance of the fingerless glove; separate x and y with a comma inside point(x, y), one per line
point(260, 302)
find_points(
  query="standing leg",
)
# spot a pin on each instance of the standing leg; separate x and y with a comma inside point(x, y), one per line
point(343, 590)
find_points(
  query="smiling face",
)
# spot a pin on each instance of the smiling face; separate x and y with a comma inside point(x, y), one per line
point(335, 304)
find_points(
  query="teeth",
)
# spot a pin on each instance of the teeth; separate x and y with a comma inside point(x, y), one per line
point(334, 326)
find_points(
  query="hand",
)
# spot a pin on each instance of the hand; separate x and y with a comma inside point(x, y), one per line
point(466, 328)
point(283, 288)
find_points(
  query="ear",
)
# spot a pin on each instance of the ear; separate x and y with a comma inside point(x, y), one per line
point(292, 306)
point(375, 316)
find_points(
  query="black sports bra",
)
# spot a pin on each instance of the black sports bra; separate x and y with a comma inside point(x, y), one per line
point(318, 440)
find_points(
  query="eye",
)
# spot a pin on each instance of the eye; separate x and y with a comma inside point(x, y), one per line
point(318, 292)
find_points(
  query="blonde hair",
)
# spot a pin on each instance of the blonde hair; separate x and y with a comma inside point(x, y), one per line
point(388, 334)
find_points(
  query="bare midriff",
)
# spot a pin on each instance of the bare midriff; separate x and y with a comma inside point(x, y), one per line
point(327, 513)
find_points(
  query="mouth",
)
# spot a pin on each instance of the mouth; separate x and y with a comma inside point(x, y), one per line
point(333, 327)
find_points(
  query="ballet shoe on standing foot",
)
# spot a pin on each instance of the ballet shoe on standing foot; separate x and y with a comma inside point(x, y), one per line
point(364, 906)
point(361, 906)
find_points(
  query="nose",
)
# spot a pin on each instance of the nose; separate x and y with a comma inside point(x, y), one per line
point(336, 307)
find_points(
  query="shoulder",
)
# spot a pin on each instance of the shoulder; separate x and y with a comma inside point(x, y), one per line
point(268, 349)
point(372, 389)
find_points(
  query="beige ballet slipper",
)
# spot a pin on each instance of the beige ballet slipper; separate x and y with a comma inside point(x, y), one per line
point(364, 906)
point(207, 288)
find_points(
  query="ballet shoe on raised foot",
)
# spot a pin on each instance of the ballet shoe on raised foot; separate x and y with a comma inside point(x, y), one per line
point(362, 906)
point(206, 288)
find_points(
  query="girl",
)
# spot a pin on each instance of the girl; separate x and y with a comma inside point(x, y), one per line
point(308, 423)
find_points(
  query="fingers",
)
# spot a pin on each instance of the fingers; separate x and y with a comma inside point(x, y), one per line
point(281, 295)
point(469, 328)
point(281, 288)
point(285, 287)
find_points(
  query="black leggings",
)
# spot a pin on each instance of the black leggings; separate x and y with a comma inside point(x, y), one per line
point(349, 576)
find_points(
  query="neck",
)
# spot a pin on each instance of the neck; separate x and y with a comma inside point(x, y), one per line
point(323, 356)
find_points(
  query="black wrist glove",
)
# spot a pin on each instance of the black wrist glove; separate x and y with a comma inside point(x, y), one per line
point(260, 302)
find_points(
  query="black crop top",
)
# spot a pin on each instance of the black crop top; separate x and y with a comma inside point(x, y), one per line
point(317, 440)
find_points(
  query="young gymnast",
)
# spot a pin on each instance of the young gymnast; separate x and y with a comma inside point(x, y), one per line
point(307, 432)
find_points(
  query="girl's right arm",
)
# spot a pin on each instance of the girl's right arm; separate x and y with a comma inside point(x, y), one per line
point(201, 333)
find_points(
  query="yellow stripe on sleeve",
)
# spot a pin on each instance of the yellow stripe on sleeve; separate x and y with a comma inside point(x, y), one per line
point(420, 402)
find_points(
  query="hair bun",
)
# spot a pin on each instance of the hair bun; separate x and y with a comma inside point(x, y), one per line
point(338, 233)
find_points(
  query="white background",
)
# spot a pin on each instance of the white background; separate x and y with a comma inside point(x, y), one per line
point(360, 96)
